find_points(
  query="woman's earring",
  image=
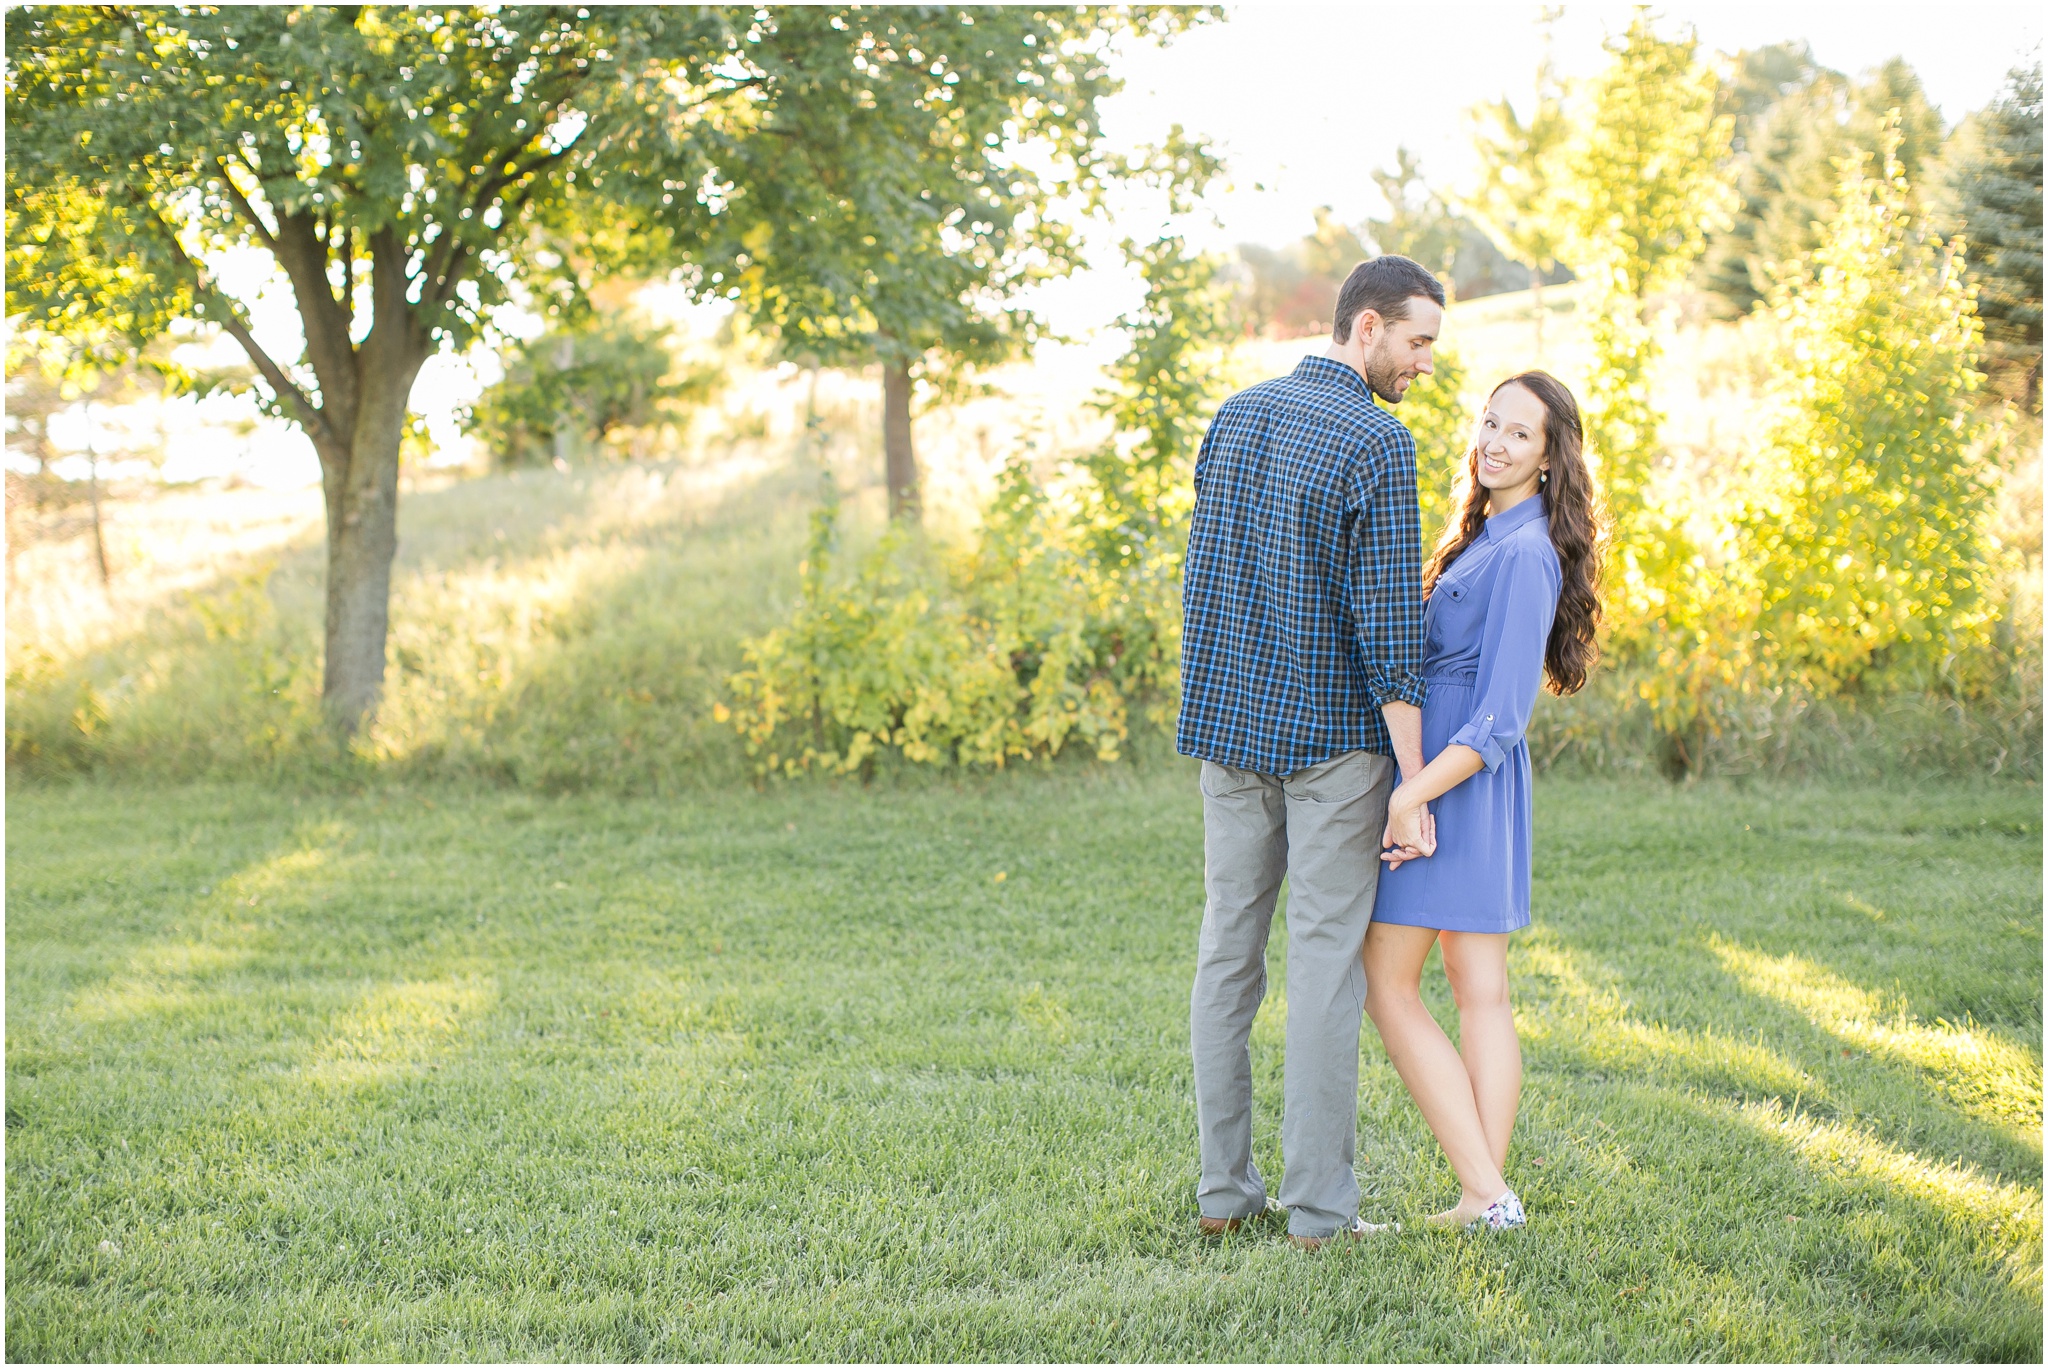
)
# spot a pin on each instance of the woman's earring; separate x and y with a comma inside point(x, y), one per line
point(1543, 477)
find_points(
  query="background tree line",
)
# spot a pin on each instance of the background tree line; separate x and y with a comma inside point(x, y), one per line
point(1852, 558)
point(418, 173)
point(1790, 122)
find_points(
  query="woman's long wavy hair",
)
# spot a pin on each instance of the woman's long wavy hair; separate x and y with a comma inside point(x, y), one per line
point(1577, 530)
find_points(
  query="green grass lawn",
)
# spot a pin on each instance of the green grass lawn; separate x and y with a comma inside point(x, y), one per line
point(902, 1073)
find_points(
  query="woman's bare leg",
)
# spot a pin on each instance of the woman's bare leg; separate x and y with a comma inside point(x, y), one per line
point(1427, 1063)
point(1476, 963)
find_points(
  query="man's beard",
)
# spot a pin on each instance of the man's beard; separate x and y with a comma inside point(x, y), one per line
point(1381, 371)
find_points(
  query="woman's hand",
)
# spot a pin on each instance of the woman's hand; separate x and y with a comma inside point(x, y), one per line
point(1411, 828)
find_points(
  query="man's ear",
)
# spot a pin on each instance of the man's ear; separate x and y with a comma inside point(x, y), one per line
point(1366, 325)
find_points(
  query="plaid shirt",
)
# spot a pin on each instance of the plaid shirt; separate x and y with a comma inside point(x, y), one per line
point(1302, 606)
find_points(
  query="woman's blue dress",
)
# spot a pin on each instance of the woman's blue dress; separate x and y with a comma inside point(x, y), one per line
point(1484, 631)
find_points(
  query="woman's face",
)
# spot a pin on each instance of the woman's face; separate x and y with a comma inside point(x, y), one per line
point(1511, 446)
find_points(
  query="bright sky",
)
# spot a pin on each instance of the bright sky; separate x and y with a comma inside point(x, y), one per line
point(1306, 100)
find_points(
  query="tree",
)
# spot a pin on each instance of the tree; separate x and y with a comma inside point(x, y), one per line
point(1992, 196)
point(1786, 119)
point(1521, 180)
point(1140, 487)
point(409, 171)
point(896, 228)
point(1422, 224)
point(1864, 542)
point(1645, 169)
point(1061, 620)
point(1292, 291)
point(402, 168)
point(1793, 121)
point(1891, 103)
point(48, 376)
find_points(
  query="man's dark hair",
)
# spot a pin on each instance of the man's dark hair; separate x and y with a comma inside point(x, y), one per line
point(1383, 285)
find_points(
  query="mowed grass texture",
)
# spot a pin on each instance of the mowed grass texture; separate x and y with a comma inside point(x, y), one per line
point(901, 1073)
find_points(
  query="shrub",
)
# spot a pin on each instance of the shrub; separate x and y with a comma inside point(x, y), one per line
point(1439, 412)
point(573, 387)
point(945, 658)
point(1061, 622)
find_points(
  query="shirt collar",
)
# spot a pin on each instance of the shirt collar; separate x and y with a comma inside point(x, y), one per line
point(1328, 371)
point(1501, 524)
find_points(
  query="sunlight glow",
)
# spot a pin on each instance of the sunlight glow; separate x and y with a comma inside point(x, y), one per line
point(2009, 1214)
point(160, 977)
point(1991, 1078)
point(1595, 1021)
point(401, 1029)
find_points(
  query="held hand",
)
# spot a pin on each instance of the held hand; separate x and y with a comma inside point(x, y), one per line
point(1410, 832)
point(1400, 855)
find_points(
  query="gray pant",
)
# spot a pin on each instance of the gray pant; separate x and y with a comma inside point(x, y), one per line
point(1321, 826)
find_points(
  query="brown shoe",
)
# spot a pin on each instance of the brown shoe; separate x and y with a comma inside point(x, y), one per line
point(1357, 1231)
point(1223, 1226)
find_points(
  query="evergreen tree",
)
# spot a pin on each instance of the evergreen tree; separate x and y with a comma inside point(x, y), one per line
point(1786, 114)
point(1794, 120)
point(1992, 196)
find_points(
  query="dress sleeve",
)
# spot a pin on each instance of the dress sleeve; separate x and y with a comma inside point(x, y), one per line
point(1518, 616)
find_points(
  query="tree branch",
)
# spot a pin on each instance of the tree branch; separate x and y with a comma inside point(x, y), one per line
point(263, 232)
point(452, 273)
point(288, 393)
point(451, 252)
point(304, 259)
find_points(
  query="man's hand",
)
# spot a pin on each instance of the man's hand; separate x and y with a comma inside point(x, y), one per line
point(1411, 829)
point(1404, 727)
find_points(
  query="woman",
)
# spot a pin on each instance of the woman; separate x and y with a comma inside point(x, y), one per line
point(1512, 596)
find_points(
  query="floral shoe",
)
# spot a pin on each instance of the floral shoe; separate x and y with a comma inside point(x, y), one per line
point(1502, 1214)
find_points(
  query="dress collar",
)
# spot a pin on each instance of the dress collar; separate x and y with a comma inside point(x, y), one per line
point(1529, 510)
point(1326, 371)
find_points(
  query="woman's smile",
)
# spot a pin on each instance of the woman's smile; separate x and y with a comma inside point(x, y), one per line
point(1510, 442)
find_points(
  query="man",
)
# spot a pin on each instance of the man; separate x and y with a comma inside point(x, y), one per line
point(1299, 693)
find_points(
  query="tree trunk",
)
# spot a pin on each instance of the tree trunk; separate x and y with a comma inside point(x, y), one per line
point(900, 459)
point(362, 539)
point(99, 538)
point(92, 475)
point(1536, 290)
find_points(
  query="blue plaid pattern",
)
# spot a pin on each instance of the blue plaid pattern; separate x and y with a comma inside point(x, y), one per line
point(1302, 605)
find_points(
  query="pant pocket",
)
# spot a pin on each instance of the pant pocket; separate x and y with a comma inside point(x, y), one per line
point(1340, 779)
point(1221, 781)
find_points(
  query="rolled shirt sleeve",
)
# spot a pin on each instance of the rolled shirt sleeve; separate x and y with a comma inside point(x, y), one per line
point(1385, 583)
point(1518, 616)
